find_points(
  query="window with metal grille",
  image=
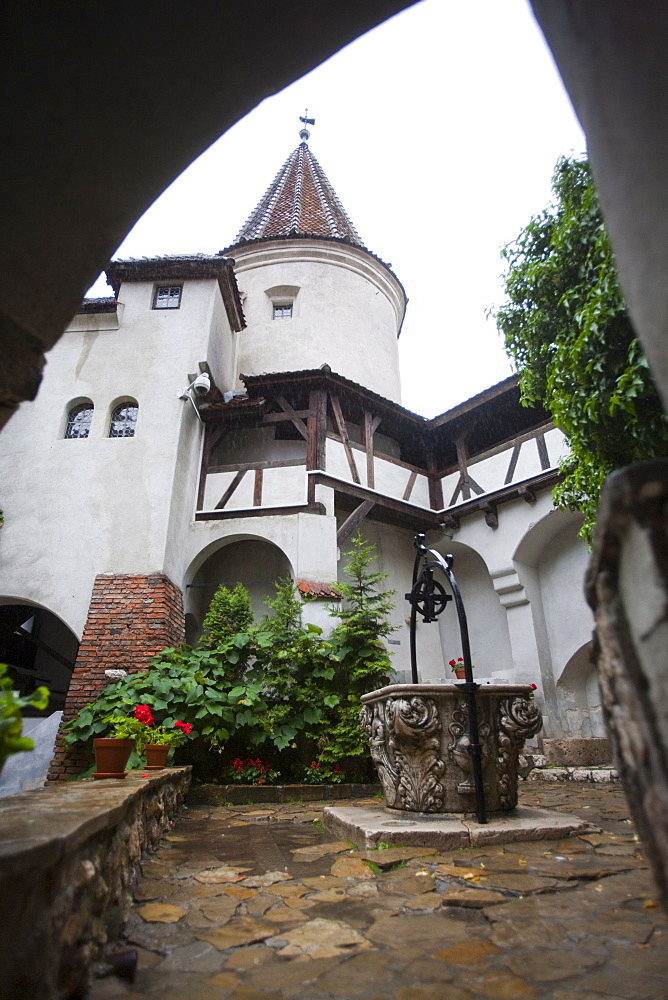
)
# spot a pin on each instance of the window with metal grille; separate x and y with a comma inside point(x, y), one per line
point(123, 420)
point(79, 420)
point(167, 297)
point(283, 312)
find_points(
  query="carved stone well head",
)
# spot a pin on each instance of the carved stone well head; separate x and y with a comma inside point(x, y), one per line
point(419, 736)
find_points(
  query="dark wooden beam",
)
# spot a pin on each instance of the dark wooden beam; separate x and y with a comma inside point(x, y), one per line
point(230, 489)
point(410, 516)
point(279, 418)
point(317, 429)
point(409, 486)
point(225, 515)
point(370, 425)
point(542, 452)
point(343, 431)
point(286, 463)
point(352, 521)
point(512, 465)
point(257, 488)
point(292, 414)
point(212, 437)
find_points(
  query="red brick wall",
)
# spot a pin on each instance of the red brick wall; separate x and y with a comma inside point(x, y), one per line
point(131, 618)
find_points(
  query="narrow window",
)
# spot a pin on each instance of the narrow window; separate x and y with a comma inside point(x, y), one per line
point(123, 420)
point(283, 312)
point(167, 297)
point(79, 420)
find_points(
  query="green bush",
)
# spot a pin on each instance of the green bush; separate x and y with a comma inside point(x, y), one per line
point(278, 684)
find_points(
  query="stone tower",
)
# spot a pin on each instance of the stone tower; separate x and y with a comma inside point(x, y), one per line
point(299, 260)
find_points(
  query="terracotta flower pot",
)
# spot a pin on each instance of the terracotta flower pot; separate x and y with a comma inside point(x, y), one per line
point(111, 756)
point(156, 756)
point(460, 673)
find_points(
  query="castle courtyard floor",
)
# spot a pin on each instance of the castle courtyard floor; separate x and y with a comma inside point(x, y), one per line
point(257, 903)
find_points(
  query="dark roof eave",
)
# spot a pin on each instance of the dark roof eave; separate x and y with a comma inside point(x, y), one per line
point(184, 268)
point(319, 377)
point(506, 387)
point(102, 305)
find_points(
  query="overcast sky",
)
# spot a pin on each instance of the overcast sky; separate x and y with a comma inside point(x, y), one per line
point(439, 131)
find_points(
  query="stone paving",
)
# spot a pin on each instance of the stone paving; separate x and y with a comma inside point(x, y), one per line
point(255, 903)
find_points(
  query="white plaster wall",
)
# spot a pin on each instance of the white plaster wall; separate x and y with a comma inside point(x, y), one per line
point(569, 621)
point(76, 508)
point(307, 540)
point(218, 482)
point(487, 620)
point(448, 485)
point(557, 446)
point(392, 480)
point(347, 312)
point(337, 463)
point(284, 486)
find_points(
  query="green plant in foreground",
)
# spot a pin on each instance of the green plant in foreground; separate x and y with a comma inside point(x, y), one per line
point(11, 719)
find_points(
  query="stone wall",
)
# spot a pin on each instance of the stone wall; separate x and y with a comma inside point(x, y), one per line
point(131, 618)
point(69, 858)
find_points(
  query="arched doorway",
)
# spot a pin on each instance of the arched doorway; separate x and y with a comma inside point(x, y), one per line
point(39, 649)
point(254, 562)
point(579, 696)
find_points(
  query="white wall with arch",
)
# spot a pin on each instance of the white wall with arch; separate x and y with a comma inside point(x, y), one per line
point(491, 652)
point(250, 560)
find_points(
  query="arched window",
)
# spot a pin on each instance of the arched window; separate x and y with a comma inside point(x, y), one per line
point(123, 420)
point(79, 420)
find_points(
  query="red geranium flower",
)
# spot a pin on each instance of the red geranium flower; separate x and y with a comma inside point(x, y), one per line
point(185, 726)
point(534, 687)
point(452, 663)
point(142, 713)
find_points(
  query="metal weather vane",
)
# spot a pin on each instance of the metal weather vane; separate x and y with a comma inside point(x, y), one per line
point(304, 135)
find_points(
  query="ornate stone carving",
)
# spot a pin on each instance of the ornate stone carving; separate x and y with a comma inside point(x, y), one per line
point(414, 728)
point(372, 719)
point(405, 742)
point(419, 738)
point(519, 718)
point(458, 750)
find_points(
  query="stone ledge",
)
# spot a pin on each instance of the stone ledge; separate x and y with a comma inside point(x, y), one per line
point(69, 857)
point(598, 775)
point(241, 795)
point(368, 826)
point(590, 752)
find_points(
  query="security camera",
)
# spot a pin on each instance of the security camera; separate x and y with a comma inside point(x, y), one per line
point(202, 384)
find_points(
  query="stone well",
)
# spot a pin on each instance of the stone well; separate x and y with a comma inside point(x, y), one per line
point(419, 736)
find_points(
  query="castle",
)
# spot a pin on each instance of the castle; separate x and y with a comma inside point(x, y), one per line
point(237, 417)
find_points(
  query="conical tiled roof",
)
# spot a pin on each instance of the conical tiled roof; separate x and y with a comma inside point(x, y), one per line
point(300, 201)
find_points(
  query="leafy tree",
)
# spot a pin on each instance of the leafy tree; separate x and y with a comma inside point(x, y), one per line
point(568, 331)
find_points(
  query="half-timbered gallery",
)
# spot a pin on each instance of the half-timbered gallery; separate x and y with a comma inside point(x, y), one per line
point(237, 417)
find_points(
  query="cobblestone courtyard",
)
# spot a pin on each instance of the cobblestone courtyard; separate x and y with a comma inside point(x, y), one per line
point(259, 902)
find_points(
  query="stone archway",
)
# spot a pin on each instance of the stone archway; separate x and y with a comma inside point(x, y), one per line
point(491, 651)
point(39, 649)
point(252, 561)
point(579, 696)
